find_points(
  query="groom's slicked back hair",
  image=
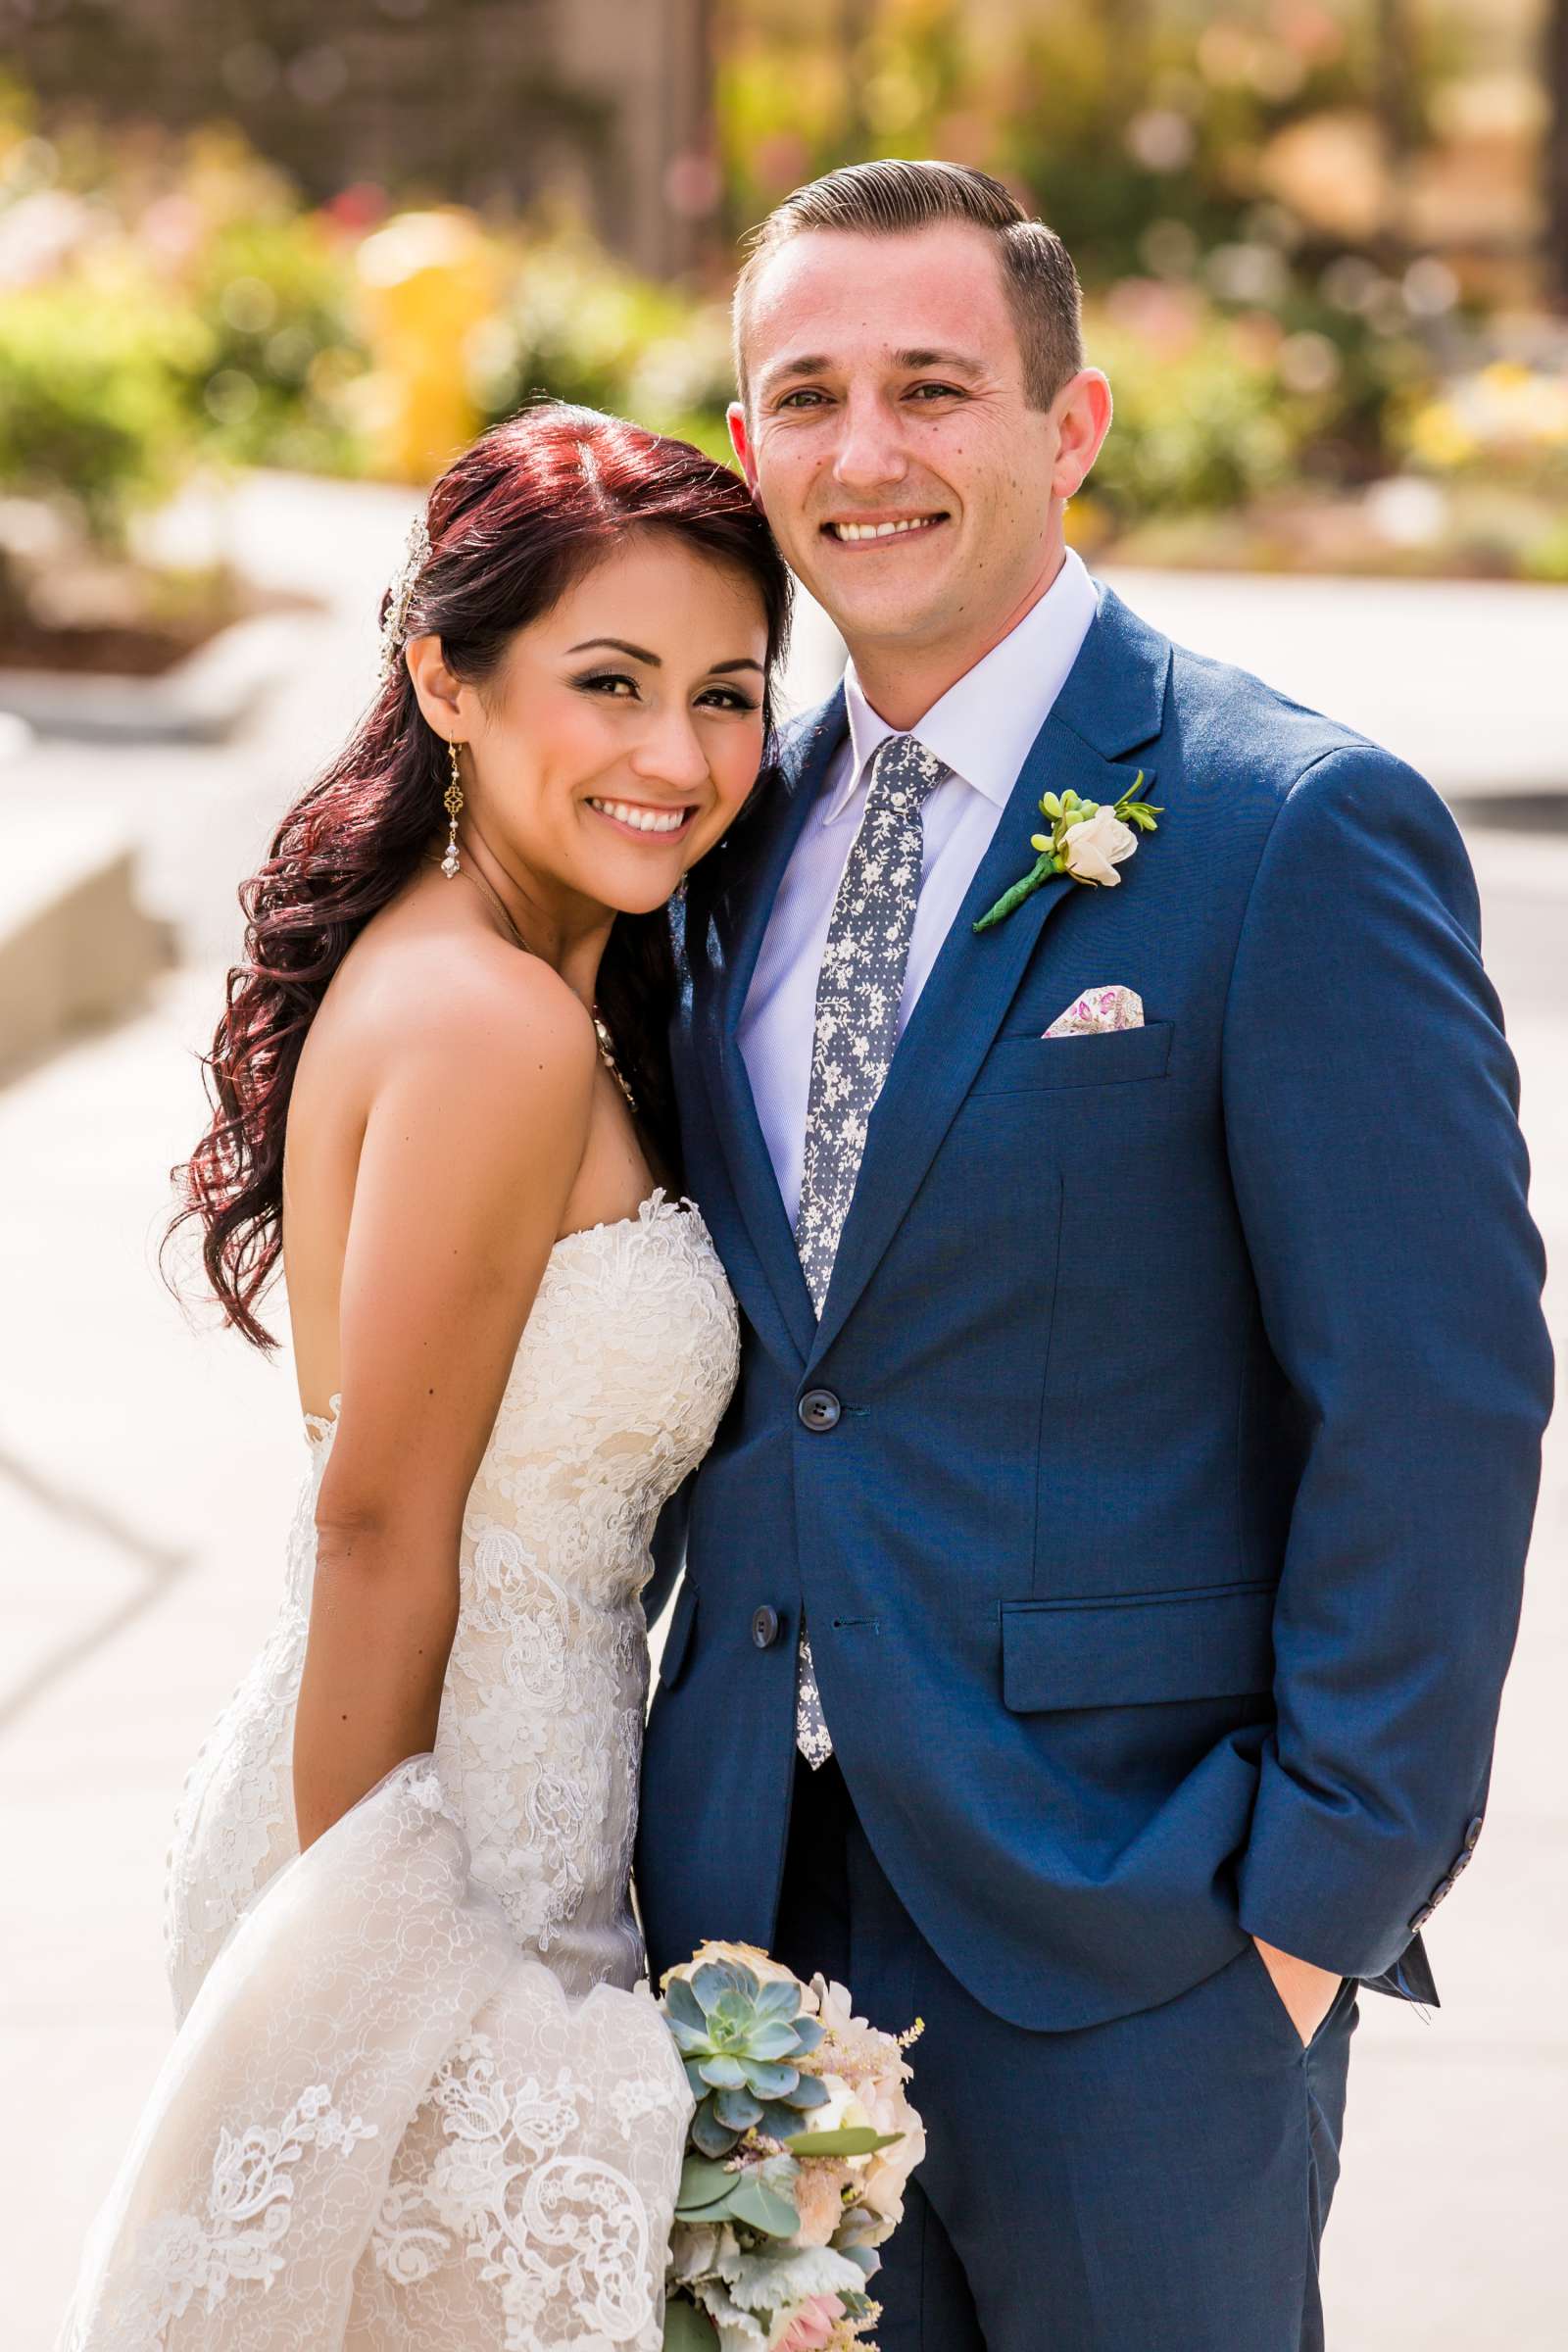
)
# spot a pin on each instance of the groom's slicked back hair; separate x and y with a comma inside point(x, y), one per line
point(890, 198)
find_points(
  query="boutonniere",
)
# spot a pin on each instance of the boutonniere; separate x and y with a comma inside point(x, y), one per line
point(1087, 839)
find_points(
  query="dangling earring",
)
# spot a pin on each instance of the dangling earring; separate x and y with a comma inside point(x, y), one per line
point(451, 803)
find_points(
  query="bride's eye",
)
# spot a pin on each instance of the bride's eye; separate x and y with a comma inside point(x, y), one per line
point(608, 682)
point(727, 698)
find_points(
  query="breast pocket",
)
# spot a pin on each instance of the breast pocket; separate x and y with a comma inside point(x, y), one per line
point(1022, 1063)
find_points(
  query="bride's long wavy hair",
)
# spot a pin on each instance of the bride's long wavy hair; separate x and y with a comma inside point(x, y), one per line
point(535, 503)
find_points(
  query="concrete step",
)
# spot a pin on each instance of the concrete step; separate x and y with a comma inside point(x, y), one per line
point(76, 948)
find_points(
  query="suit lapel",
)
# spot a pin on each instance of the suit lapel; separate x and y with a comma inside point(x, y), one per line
point(1112, 700)
point(751, 1174)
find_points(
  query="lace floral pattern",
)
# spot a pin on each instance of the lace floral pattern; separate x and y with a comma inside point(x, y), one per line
point(238, 2236)
point(551, 2187)
point(420, 2096)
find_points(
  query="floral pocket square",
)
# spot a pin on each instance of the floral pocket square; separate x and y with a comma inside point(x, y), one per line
point(1099, 1009)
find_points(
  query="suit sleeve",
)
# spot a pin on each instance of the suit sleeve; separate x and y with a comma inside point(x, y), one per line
point(1370, 1107)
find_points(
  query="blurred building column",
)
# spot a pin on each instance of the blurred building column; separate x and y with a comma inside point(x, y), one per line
point(652, 63)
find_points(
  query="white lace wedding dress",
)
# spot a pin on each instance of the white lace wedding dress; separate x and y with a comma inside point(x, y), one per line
point(420, 2094)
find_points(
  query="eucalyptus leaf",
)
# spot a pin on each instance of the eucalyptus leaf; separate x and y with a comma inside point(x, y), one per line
point(854, 2140)
point(763, 2208)
point(688, 2327)
point(701, 2183)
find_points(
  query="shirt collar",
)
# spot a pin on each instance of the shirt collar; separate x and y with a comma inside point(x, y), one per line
point(984, 725)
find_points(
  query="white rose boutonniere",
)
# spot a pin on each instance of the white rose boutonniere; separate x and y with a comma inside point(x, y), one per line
point(1087, 842)
point(1092, 851)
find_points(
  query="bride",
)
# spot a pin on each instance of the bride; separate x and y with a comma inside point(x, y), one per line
point(420, 2094)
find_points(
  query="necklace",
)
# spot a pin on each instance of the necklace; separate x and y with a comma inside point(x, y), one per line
point(606, 1043)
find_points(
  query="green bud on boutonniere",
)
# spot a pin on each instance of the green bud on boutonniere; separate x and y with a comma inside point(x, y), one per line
point(1087, 839)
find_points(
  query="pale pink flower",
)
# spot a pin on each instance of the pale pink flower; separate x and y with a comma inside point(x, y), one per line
point(809, 2326)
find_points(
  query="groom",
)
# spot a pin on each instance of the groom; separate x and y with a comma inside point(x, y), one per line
point(1099, 1596)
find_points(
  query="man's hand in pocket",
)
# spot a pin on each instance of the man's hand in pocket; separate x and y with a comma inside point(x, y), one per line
point(1307, 1990)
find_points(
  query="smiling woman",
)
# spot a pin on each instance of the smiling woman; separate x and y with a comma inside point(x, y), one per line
point(587, 647)
point(417, 1814)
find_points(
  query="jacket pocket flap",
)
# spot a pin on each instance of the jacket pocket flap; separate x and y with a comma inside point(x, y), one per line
point(672, 1657)
point(1020, 1062)
point(1216, 1644)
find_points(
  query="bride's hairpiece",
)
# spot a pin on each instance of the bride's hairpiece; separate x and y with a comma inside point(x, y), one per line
point(400, 595)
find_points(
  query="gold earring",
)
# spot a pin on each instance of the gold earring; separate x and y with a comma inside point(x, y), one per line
point(451, 803)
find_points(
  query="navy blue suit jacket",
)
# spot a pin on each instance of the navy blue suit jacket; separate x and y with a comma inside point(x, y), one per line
point(1163, 1562)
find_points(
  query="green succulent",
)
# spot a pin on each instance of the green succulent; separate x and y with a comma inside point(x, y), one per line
point(741, 2041)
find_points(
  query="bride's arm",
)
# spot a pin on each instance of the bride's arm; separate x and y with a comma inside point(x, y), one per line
point(475, 1135)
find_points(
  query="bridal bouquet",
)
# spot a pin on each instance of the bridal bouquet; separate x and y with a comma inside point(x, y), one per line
point(795, 2161)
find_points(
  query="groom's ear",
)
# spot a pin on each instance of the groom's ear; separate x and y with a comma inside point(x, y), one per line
point(1083, 420)
point(740, 442)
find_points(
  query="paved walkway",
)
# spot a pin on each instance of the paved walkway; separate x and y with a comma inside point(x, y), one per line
point(147, 1471)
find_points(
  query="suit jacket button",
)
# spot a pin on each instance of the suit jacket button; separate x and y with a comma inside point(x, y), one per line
point(765, 1627)
point(1472, 1834)
point(819, 1409)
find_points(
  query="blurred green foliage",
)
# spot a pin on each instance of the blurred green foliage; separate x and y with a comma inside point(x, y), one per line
point(170, 302)
point(579, 327)
point(94, 398)
point(276, 299)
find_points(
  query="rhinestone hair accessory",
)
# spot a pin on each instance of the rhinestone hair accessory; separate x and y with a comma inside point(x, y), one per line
point(400, 595)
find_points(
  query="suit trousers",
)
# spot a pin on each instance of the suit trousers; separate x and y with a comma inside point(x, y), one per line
point(1157, 2184)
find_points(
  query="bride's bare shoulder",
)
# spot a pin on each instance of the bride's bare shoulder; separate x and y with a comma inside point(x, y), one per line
point(416, 997)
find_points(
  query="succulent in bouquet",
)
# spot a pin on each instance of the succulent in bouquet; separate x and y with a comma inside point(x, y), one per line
point(797, 2152)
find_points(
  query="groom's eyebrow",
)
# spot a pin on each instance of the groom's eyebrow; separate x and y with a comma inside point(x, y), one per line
point(815, 363)
point(956, 362)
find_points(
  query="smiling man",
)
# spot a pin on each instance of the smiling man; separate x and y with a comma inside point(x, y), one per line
point(1098, 1601)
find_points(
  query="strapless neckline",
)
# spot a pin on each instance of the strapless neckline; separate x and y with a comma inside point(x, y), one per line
point(318, 1427)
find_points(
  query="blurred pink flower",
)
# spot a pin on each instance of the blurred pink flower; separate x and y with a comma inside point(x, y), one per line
point(810, 2325)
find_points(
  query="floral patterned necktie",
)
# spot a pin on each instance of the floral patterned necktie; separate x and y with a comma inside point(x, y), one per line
point(858, 990)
